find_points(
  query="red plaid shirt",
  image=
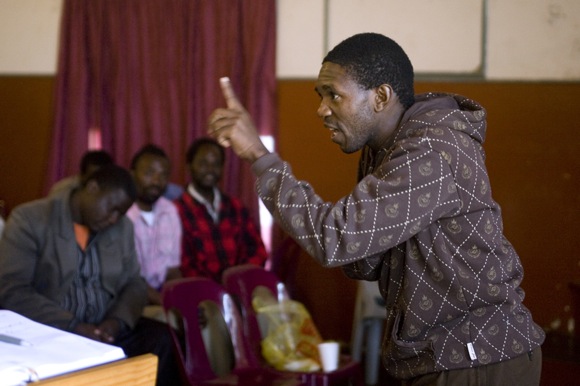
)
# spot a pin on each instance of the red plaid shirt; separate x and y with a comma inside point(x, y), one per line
point(207, 248)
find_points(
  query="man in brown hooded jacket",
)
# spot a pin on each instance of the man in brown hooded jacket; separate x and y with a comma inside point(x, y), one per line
point(421, 221)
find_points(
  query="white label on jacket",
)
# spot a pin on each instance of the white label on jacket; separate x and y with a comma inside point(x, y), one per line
point(471, 351)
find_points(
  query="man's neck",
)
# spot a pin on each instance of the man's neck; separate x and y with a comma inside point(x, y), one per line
point(388, 128)
point(144, 206)
point(212, 205)
point(207, 193)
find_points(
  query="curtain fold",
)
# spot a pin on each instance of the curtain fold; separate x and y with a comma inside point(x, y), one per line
point(147, 71)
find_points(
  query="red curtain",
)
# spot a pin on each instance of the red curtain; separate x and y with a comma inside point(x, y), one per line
point(147, 71)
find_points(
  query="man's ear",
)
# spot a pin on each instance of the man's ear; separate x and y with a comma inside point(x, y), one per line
point(383, 95)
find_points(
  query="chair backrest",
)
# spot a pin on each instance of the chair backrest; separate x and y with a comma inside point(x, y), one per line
point(241, 282)
point(185, 297)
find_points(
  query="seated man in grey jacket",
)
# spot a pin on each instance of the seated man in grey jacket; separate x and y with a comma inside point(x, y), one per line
point(69, 261)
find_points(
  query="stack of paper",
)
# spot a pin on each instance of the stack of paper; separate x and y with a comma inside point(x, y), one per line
point(30, 351)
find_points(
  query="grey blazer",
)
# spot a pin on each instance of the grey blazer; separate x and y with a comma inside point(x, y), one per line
point(38, 260)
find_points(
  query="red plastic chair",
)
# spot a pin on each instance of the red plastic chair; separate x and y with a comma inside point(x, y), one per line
point(183, 298)
point(241, 281)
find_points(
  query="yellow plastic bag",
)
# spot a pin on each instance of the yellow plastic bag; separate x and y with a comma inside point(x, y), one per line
point(290, 337)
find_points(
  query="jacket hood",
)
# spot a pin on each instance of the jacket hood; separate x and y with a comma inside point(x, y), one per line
point(451, 110)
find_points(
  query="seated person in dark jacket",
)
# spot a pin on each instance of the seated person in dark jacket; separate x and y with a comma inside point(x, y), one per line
point(69, 261)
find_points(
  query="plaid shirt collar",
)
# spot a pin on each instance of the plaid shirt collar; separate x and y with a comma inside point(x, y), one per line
point(212, 209)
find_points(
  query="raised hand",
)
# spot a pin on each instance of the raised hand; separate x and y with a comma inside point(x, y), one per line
point(233, 126)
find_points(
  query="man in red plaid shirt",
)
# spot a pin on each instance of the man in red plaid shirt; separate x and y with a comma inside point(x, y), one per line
point(217, 229)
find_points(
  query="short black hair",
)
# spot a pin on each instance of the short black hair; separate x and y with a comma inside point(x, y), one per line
point(148, 149)
point(373, 59)
point(198, 143)
point(110, 177)
point(95, 157)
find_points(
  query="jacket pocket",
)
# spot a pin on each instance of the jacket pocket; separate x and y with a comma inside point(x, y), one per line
point(404, 358)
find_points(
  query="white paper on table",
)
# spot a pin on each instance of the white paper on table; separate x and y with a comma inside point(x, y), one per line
point(52, 351)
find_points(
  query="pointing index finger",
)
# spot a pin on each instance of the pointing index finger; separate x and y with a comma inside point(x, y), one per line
point(228, 92)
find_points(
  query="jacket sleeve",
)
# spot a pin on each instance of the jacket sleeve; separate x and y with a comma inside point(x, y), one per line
point(411, 189)
point(368, 268)
point(21, 249)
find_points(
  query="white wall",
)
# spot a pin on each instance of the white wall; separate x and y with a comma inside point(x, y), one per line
point(29, 36)
point(431, 42)
point(531, 39)
point(491, 39)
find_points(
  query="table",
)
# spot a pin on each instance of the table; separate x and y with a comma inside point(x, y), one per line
point(136, 371)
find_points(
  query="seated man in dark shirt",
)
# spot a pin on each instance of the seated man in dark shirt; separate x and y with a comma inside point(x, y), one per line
point(69, 261)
